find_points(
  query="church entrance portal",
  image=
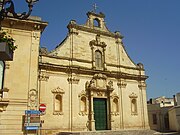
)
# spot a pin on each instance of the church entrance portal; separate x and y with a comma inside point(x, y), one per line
point(100, 113)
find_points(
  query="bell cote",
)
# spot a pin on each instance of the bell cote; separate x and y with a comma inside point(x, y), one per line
point(96, 20)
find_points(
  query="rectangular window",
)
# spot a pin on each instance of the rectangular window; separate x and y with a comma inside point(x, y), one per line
point(154, 119)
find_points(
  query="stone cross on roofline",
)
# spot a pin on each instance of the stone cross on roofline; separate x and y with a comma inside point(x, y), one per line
point(94, 7)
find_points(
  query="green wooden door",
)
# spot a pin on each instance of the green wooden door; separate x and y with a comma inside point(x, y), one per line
point(100, 113)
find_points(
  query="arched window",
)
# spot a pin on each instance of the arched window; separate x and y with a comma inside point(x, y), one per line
point(1, 74)
point(98, 59)
point(58, 103)
point(83, 104)
point(134, 106)
point(96, 22)
point(115, 105)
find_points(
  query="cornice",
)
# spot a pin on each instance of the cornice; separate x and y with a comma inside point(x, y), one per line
point(121, 66)
point(94, 30)
point(88, 71)
point(88, 61)
point(65, 58)
point(28, 24)
point(101, 15)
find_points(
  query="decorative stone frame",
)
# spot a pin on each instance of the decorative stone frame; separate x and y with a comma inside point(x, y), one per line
point(97, 45)
point(115, 111)
point(99, 87)
point(58, 92)
point(84, 111)
point(33, 99)
point(133, 100)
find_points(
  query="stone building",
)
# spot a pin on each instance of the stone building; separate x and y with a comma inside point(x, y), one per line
point(174, 114)
point(20, 76)
point(158, 117)
point(88, 82)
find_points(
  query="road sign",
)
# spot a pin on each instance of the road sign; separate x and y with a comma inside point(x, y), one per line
point(42, 107)
point(32, 112)
point(31, 128)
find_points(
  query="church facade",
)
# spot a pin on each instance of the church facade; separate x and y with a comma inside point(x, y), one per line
point(88, 82)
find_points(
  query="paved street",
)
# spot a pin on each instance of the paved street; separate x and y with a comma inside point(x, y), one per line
point(169, 133)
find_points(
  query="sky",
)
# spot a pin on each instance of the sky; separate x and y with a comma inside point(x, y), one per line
point(151, 30)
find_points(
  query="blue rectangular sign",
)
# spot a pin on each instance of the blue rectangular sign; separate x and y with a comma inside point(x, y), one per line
point(31, 128)
point(32, 112)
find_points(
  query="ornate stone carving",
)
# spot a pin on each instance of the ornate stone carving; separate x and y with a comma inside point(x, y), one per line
point(43, 77)
point(83, 93)
point(97, 42)
point(133, 95)
point(115, 104)
point(73, 80)
point(43, 51)
point(58, 96)
point(142, 85)
point(83, 103)
point(58, 90)
point(99, 82)
point(110, 85)
point(33, 99)
point(72, 30)
point(121, 84)
point(3, 104)
point(100, 94)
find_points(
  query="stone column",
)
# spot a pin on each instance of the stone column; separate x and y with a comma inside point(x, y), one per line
point(111, 121)
point(43, 78)
point(91, 112)
point(93, 57)
point(104, 58)
point(144, 113)
point(121, 86)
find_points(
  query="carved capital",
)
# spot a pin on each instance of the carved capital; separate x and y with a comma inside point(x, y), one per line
point(73, 31)
point(142, 85)
point(43, 77)
point(73, 80)
point(121, 84)
point(3, 104)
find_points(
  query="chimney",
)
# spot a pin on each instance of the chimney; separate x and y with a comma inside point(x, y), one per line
point(175, 102)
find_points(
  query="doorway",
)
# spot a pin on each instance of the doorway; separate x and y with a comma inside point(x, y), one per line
point(100, 113)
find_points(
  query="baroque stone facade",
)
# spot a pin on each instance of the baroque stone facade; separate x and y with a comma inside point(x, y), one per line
point(88, 82)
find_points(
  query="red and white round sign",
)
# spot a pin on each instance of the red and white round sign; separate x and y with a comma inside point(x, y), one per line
point(42, 107)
